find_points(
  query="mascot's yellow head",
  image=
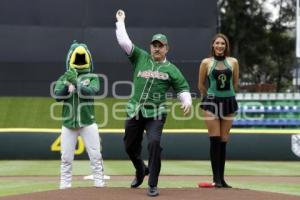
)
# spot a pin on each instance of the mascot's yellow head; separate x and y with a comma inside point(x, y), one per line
point(79, 58)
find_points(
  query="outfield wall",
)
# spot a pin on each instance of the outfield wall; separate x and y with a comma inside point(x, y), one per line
point(35, 37)
point(176, 146)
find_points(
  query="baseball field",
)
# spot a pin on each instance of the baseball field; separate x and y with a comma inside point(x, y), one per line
point(78, 62)
point(39, 179)
point(258, 180)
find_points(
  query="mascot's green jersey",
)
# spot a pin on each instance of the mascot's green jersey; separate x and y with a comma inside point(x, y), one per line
point(78, 108)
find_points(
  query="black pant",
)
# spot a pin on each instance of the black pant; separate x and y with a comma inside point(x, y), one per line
point(134, 131)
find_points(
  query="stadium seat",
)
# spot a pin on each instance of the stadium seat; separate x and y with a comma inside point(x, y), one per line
point(268, 110)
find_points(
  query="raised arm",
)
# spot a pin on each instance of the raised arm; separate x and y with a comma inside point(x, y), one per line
point(121, 33)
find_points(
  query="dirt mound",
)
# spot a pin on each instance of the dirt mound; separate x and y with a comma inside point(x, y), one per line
point(111, 193)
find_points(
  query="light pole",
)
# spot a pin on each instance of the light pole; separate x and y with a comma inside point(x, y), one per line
point(218, 16)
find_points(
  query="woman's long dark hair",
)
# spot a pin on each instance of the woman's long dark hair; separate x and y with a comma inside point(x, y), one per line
point(227, 48)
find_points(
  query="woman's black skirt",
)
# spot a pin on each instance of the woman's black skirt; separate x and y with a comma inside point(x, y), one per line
point(219, 106)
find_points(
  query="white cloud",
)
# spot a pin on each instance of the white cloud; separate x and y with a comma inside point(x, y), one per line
point(270, 8)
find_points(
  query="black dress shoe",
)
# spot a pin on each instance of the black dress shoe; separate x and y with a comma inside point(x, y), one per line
point(139, 178)
point(152, 192)
point(225, 185)
point(136, 182)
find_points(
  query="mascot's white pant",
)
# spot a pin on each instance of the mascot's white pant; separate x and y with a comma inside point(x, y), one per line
point(91, 141)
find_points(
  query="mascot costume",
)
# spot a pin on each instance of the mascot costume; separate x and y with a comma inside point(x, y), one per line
point(76, 88)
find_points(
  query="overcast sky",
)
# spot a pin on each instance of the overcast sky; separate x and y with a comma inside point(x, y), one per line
point(271, 8)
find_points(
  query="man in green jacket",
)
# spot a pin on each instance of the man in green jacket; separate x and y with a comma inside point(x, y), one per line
point(153, 75)
point(76, 88)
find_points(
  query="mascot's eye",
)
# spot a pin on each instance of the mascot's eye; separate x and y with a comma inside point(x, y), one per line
point(80, 59)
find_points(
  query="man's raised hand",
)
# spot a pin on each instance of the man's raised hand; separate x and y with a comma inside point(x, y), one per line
point(120, 15)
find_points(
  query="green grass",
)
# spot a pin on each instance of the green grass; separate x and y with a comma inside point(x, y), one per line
point(9, 187)
point(193, 168)
point(234, 168)
point(284, 188)
point(26, 112)
point(34, 112)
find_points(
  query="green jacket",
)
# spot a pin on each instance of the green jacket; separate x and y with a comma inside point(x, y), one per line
point(78, 106)
point(151, 82)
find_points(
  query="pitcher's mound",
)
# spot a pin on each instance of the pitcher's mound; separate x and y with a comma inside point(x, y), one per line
point(113, 193)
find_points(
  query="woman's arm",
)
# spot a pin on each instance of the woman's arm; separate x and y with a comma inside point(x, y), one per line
point(202, 77)
point(236, 75)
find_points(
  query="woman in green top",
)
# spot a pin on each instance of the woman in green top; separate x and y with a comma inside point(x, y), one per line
point(219, 103)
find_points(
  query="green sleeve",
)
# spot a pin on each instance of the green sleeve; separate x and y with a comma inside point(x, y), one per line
point(61, 88)
point(137, 56)
point(92, 88)
point(178, 81)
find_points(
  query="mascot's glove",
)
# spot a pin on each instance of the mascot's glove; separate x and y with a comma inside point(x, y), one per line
point(71, 88)
point(71, 76)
